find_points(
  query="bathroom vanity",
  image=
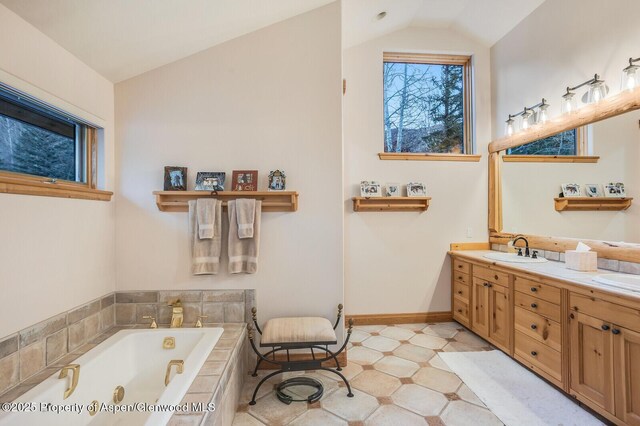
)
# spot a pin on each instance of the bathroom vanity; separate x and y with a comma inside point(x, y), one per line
point(578, 334)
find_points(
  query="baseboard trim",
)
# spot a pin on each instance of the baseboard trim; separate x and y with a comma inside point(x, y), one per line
point(342, 360)
point(385, 319)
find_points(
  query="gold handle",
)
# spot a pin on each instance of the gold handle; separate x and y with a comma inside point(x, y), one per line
point(75, 368)
point(179, 369)
point(199, 322)
point(153, 324)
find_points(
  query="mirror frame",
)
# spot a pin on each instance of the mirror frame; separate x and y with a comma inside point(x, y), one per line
point(609, 107)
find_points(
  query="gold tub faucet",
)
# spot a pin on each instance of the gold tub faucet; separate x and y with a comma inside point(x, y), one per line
point(177, 315)
point(75, 368)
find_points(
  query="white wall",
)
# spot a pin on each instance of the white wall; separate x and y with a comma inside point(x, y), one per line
point(55, 253)
point(267, 100)
point(397, 262)
point(565, 42)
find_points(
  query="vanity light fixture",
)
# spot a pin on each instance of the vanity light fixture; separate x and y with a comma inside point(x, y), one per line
point(509, 129)
point(528, 117)
point(597, 92)
point(630, 75)
point(525, 118)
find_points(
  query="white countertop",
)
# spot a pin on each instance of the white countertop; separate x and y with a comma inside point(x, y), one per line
point(553, 269)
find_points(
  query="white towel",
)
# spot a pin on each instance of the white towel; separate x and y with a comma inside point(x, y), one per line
point(246, 212)
point(243, 253)
point(206, 216)
point(205, 253)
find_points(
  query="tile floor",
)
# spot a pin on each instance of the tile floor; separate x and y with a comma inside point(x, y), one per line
point(397, 377)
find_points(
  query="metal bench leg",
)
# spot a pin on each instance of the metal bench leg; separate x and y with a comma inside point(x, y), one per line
point(344, 379)
point(267, 377)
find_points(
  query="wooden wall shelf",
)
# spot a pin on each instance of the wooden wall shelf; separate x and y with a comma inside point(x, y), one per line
point(390, 204)
point(591, 203)
point(276, 201)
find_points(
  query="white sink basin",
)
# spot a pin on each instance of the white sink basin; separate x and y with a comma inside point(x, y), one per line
point(513, 257)
point(625, 281)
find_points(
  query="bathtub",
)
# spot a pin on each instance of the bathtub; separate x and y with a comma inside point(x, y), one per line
point(134, 359)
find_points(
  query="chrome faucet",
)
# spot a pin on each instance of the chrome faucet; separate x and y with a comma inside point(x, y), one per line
point(526, 243)
point(177, 315)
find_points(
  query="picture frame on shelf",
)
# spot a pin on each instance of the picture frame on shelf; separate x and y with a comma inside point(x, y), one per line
point(571, 190)
point(370, 189)
point(593, 190)
point(277, 180)
point(175, 178)
point(244, 180)
point(416, 189)
point(210, 181)
point(615, 190)
point(393, 190)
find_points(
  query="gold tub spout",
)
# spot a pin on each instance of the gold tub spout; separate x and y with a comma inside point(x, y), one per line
point(177, 315)
point(75, 368)
point(179, 369)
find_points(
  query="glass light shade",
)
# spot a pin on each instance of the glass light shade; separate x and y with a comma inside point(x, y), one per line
point(629, 78)
point(543, 115)
point(509, 128)
point(525, 119)
point(568, 104)
point(597, 91)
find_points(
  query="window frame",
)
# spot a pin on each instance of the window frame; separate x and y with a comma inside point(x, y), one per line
point(27, 184)
point(467, 89)
point(582, 154)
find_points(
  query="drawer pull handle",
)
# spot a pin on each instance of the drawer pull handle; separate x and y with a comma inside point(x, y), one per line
point(534, 353)
point(534, 305)
point(459, 291)
point(490, 285)
point(486, 284)
point(533, 326)
point(459, 266)
point(605, 327)
point(495, 277)
point(615, 331)
point(460, 277)
point(459, 311)
point(533, 289)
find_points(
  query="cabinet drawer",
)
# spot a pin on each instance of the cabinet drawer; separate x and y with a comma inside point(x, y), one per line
point(461, 277)
point(538, 355)
point(491, 276)
point(535, 304)
point(460, 266)
point(460, 311)
point(607, 311)
point(534, 288)
point(539, 328)
point(461, 291)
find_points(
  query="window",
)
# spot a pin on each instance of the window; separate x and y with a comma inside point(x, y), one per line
point(44, 151)
point(427, 103)
point(564, 143)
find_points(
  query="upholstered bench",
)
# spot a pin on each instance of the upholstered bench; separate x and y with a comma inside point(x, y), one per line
point(285, 334)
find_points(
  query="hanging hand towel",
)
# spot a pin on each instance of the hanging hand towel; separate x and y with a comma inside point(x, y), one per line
point(206, 216)
point(245, 211)
point(205, 253)
point(243, 253)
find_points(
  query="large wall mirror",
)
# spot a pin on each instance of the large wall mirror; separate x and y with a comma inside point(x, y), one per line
point(529, 188)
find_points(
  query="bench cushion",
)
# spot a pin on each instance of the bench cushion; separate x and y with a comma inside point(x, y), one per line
point(298, 330)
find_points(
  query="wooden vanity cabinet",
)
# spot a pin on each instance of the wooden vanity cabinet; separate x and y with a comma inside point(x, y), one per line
point(461, 292)
point(626, 352)
point(491, 301)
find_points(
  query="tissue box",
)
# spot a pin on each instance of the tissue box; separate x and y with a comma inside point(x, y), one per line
point(586, 261)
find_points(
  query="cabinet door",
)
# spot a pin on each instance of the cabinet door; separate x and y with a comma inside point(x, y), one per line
point(480, 297)
point(499, 318)
point(591, 360)
point(627, 374)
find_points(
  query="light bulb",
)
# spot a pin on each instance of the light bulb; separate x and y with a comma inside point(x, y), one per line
point(509, 128)
point(629, 78)
point(568, 104)
point(597, 91)
point(543, 115)
point(526, 119)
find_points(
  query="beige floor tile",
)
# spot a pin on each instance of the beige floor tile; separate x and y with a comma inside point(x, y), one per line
point(437, 362)
point(440, 330)
point(358, 336)
point(420, 400)
point(467, 394)
point(414, 353)
point(363, 355)
point(250, 384)
point(470, 339)
point(392, 415)
point(318, 418)
point(461, 413)
point(412, 327)
point(370, 328)
point(272, 411)
point(351, 409)
point(428, 341)
point(350, 371)
point(397, 333)
point(246, 419)
point(375, 383)
point(381, 343)
point(395, 366)
point(436, 379)
point(461, 347)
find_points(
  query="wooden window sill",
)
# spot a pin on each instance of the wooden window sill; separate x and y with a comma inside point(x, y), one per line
point(428, 156)
point(36, 186)
point(550, 159)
